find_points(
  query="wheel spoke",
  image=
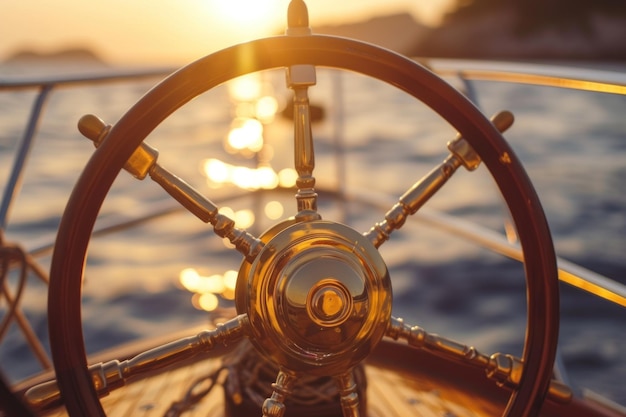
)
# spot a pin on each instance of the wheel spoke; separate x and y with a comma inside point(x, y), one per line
point(348, 393)
point(299, 79)
point(111, 375)
point(461, 154)
point(505, 369)
point(143, 162)
point(274, 406)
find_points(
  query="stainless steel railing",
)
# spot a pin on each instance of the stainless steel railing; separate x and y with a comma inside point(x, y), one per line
point(13, 256)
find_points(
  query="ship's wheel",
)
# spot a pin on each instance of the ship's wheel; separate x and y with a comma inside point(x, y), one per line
point(313, 296)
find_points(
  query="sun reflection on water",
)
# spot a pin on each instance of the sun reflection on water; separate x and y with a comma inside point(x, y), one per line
point(208, 290)
point(264, 177)
point(245, 133)
point(254, 107)
point(246, 88)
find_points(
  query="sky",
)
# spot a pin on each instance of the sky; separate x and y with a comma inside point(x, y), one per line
point(173, 31)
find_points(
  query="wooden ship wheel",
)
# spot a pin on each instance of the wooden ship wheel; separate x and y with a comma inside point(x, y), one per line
point(313, 296)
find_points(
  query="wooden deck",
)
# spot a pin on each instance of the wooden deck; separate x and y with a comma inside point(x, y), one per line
point(388, 394)
point(401, 382)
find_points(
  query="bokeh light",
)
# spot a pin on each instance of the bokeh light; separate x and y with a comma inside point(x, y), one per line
point(287, 177)
point(208, 290)
point(274, 210)
point(245, 134)
point(246, 88)
point(263, 177)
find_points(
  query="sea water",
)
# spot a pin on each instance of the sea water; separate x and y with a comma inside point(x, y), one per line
point(572, 144)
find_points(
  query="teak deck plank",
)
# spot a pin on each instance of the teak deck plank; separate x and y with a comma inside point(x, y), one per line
point(388, 396)
point(401, 383)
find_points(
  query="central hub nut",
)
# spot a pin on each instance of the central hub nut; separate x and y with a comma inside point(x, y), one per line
point(329, 303)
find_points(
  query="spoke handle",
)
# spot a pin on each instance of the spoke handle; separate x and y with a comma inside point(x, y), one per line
point(140, 162)
point(113, 374)
point(143, 161)
point(463, 151)
point(506, 370)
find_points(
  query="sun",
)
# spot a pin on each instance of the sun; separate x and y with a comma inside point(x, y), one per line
point(253, 14)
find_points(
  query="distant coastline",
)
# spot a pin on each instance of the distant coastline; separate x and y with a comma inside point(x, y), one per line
point(78, 55)
point(494, 35)
point(491, 35)
point(486, 35)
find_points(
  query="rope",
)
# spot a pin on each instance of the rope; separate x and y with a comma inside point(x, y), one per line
point(199, 389)
point(249, 380)
point(11, 254)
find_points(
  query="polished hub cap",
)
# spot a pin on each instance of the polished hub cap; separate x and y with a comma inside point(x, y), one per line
point(329, 303)
point(318, 298)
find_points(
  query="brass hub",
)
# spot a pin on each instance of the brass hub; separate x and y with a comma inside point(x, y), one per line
point(329, 303)
point(318, 297)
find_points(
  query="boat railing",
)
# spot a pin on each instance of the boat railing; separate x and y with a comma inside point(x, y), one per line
point(582, 78)
point(12, 255)
point(45, 86)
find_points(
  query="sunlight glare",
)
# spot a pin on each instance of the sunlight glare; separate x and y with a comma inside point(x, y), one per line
point(246, 88)
point(251, 13)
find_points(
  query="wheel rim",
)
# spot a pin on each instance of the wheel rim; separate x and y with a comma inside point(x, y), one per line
point(206, 73)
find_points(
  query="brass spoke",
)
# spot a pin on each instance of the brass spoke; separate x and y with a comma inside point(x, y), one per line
point(274, 406)
point(461, 154)
point(299, 79)
point(504, 369)
point(112, 375)
point(143, 162)
point(348, 393)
